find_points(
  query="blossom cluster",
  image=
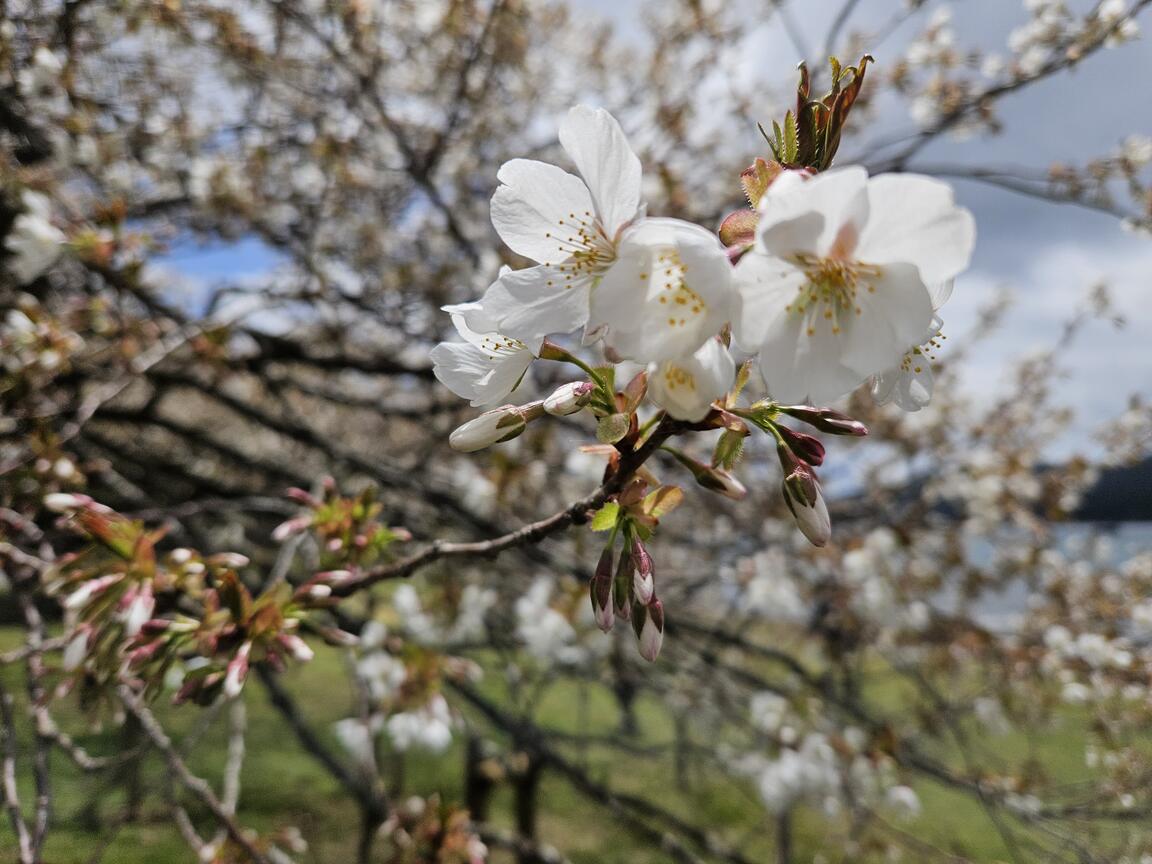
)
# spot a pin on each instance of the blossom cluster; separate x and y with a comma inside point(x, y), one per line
point(839, 282)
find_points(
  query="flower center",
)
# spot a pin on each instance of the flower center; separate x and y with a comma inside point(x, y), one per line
point(676, 378)
point(585, 249)
point(915, 359)
point(831, 290)
point(497, 346)
point(682, 304)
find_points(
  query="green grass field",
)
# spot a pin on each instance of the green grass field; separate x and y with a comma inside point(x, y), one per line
point(282, 785)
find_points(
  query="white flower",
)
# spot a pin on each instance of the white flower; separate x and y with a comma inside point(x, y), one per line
point(355, 736)
point(491, 427)
point(1111, 11)
point(546, 633)
point(670, 290)
point(486, 366)
point(904, 801)
point(35, 243)
point(836, 287)
point(1137, 149)
point(569, 224)
point(427, 728)
point(687, 386)
point(910, 383)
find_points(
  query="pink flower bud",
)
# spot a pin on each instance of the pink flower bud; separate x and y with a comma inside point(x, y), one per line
point(826, 420)
point(92, 588)
point(643, 576)
point(569, 398)
point(296, 647)
point(805, 446)
point(62, 502)
point(651, 631)
point(138, 610)
point(301, 496)
point(237, 672)
point(600, 590)
point(291, 528)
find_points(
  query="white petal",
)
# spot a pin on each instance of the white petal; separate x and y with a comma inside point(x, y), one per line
point(799, 367)
point(669, 290)
point(536, 199)
point(477, 375)
point(764, 285)
point(809, 216)
point(536, 302)
point(915, 219)
point(940, 292)
point(894, 314)
point(687, 387)
point(597, 145)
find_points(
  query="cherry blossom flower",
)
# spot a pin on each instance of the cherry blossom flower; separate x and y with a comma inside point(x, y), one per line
point(570, 225)
point(687, 386)
point(35, 243)
point(486, 366)
point(836, 288)
point(669, 292)
point(655, 289)
point(909, 384)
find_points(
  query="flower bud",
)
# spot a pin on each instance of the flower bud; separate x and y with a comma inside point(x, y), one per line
point(90, 589)
point(805, 446)
point(138, 610)
point(569, 398)
point(643, 574)
point(648, 622)
point(622, 585)
point(62, 502)
point(720, 481)
point(826, 420)
point(600, 591)
point(237, 672)
point(77, 649)
point(803, 496)
point(491, 427)
point(291, 528)
point(296, 647)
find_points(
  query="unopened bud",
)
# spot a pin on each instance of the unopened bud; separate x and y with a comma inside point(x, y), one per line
point(804, 498)
point(650, 628)
point(720, 481)
point(237, 672)
point(138, 610)
point(333, 577)
point(643, 576)
point(296, 647)
point(600, 591)
point(826, 420)
point(62, 502)
point(622, 586)
point(231, 560)
point(291, 528)
point(77, 649)
point(569, 398)
point(491, 427)
point(90, 589)
point(805, 446)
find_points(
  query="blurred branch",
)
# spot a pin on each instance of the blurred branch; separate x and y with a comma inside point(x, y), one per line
point(197, 786)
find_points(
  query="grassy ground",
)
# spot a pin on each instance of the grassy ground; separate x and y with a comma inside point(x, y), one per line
point(282, 786)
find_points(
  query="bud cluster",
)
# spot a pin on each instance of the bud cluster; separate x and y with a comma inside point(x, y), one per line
point(134, 613)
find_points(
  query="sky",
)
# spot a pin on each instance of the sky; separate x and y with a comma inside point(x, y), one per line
point(1049, 256)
